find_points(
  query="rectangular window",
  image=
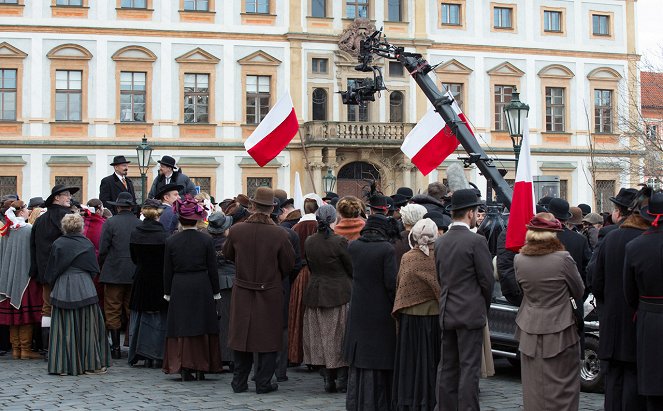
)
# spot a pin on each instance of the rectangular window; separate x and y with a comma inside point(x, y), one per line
point(356, 9)
point(395, 69)
point(202, 184)
point(196, 98)
point(196, 5)
point(71, 181)
point(357, 112)
point(652, 131)
point(257, 98)
point(252, 184)
point(555, 110)
point(68, 95)
point(451, 14)
point(604, 190)
point(319, 65)
point(319, 104)
point(395, 11)
point(75, 3)
point(318, 8)
point(257, 6)
point(8, 185)
point(132, 96)
point(456, 90)
point(552, 21)
point(8, 1)
point(7, 94)
point(600, 25)
point(603, 111)
point(502, 17)
point(502, 95)
point(134, 4)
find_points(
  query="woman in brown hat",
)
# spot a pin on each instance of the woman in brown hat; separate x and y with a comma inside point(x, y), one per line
point(191, 285)
point(546, 325)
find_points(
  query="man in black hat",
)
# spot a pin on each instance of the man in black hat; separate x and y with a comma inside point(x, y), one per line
point(116, 183)
point(465, 269)
point(329, 196)
point(169, 173)
point(117, 268)
point(377, 204)
point(46, 229)
point(168, 194)
point(36, 202)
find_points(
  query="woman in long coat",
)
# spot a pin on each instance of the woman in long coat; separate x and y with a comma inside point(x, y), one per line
point(370, 336)
point(147, 324)
point(191, 285)
point(546, 326)
point(417, 309)
point(326, 300)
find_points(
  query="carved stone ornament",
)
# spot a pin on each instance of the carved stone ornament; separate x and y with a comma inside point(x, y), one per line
point(358, 30)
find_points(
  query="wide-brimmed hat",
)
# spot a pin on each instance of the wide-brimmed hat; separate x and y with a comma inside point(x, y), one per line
point(263, 196)
point(378, 202)
point(244, 200)
point(442, 221)
point(593, 218)
point(35, 202)
point(124, 199)
point(390, 203)
point(625, 197)
point(402, 196)
point(168, 188)
point(168, 161)
point(538, 223)
point(57, 189)
point(544, 201)
point(653, 211)
point(117, 160)
point(586, 208)
point(329, 195)
point(559, 208)
point(218, 223)
point(464, 198)
point(577, 215)
point(282, 195)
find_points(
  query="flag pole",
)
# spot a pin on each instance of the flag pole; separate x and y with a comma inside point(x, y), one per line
point(308, 165)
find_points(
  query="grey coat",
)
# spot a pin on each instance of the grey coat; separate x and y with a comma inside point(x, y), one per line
point(114, 251)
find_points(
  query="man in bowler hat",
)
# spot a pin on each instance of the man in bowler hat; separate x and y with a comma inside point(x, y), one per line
point(169, 173)
point(465, 270)
point(116, 183)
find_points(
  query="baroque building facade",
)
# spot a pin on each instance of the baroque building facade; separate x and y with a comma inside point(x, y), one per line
point(84, 80)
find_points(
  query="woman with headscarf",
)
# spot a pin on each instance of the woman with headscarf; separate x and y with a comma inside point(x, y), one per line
point(546, 326)
point(350, 223)
point(370, 336)
point(147, 324)
point(410, 215)
point(417, 309)
point(191, 286)
point(20, 296)
point(326, 301)
point(78, 342)
point(307, 226)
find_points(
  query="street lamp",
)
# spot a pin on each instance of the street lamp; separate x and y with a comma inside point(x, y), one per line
point(516, 113)
point(144, 152)
point(328, 181)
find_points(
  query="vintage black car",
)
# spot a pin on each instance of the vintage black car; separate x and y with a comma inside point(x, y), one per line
point(502, 325)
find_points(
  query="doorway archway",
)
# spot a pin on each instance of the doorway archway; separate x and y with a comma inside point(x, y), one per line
point(355, 179)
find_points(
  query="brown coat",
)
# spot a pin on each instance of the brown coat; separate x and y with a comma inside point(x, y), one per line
point(263, 255)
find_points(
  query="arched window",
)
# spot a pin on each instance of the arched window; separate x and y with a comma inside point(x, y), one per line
point(396, 110)
point(319, 100)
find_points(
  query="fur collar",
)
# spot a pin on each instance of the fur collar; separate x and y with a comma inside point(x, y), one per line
point(542, 247)
point(635, 221)
point(260, 218)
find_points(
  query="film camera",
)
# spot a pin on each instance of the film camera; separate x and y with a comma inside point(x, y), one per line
point(363, 90)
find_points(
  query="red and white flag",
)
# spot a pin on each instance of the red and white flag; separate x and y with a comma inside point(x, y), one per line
point(523, 206)
point(431, 141)
point(274, 132)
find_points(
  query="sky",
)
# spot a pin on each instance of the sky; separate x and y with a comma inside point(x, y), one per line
point(650, 32)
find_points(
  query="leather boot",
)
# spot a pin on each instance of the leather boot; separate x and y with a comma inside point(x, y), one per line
point(342, 379)
point(25, 334)
point(15, 339)
point(186, 375)
point(45, 340)
point(330, 383)
point(116, 353)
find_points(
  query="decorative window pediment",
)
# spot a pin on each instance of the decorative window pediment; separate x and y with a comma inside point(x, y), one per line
point(506, 69)
point(9, 51)
point(453, 66)
point(134, 53)
point(198, 55)
point(556, 71)
point(259, 58)
point(604, 74)
point(69, 52)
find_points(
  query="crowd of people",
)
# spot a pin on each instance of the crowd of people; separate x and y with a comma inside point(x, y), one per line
point(386, 297)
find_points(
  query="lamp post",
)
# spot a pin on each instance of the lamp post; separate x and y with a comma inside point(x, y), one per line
point(328, 181)
point(144, 152)
point(516, 113)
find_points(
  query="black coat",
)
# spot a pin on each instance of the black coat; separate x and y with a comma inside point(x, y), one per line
point(176, 178)
point(578, 246)
point(616, 327)
point(331, 271)
point(507, 274)
point(370, 336)
point(114, 255)
point(190, 278)
point(146, 244)
point(111, 187)
point(45, 231)
point(591, 265)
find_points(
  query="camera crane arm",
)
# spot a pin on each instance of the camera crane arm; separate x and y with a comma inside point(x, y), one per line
point(419, 68)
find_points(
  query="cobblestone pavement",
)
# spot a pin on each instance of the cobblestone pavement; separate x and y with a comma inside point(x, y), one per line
point(25, 385)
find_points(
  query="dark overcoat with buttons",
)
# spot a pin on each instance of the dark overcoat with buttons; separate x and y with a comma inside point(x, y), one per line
point(111, 187)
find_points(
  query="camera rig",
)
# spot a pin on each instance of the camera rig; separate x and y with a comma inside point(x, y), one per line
point(377, 45)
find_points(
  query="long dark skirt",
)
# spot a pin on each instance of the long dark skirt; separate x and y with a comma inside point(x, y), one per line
point(296, 317)
point(147, 335)
point(78, 341)
point(368, 390)
point(417, 356)
point(199, 353)
point(224, 321)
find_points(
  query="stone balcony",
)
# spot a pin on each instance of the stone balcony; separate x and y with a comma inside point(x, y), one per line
point(354, 133)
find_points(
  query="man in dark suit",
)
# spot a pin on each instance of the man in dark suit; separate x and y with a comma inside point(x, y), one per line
point(465, 270)
point(169, 173)
point(116, 183)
